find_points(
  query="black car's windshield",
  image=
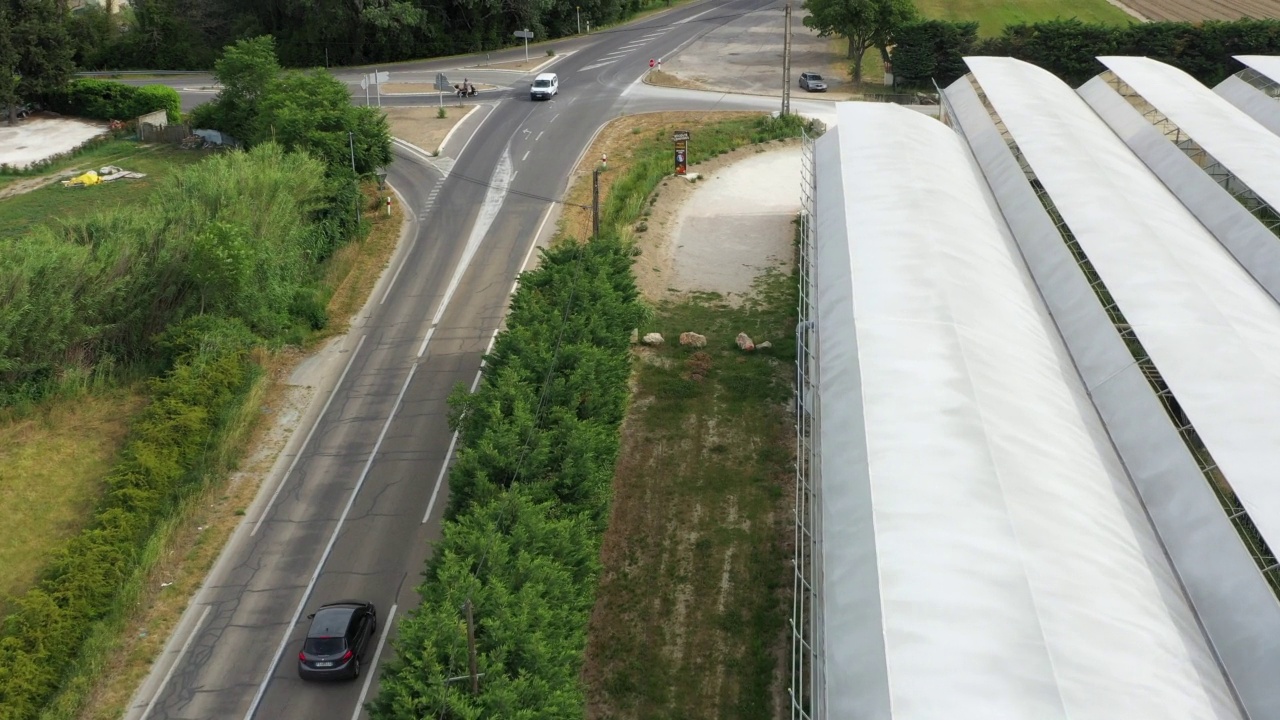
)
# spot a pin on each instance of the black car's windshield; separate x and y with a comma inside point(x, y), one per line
point(323, 646)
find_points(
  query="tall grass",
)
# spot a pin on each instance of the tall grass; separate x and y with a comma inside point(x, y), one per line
point(235, 235)
point(105, 637)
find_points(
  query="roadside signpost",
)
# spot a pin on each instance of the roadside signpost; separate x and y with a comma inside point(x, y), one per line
point(376, 78)
point(527, 36)
point(681, 138)
point(442, 84)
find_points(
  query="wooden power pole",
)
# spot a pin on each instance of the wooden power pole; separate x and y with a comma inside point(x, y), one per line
point(786, 65)
point(471, 649)
point(595, 204)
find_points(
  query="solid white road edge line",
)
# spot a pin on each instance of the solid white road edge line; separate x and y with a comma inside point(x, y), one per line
point(430, 331)
point(405, 257)
point(333, 540)
point(435, 492)
point(307, 440)
point(693, 17)
point(364, 691)
point(176, 661)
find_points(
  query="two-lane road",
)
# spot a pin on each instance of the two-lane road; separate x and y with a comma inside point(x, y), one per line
point(360, 492)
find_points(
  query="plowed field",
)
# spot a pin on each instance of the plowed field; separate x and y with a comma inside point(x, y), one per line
point(1193, 10)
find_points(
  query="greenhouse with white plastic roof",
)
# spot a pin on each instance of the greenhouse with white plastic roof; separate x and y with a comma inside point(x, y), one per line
point(1038, 410)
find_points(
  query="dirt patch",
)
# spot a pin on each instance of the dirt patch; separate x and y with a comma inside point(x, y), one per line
point(690, 617)
point(423, 126)
point(26, 185)
point(669, 210)
point(1197, 10)
point(745, 56)
point(40, 137)
point(719, 234)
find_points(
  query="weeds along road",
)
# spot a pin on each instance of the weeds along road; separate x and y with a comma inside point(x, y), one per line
point(360, 490)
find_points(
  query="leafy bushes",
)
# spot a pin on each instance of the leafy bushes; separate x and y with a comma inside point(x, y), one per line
point(160, 467)
point(531, 484)
point(236, 236)
point(529, 499)
point(310, 111)
point(110, 100)
point(932, 50)
point(1069, 48)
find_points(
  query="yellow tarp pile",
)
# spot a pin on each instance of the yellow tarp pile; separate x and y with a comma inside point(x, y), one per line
point(89, 178)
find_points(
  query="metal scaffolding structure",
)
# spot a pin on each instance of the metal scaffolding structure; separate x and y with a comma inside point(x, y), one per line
point(806, 658)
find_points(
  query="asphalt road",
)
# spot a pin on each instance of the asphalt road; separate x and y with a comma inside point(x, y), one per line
point(347, 514)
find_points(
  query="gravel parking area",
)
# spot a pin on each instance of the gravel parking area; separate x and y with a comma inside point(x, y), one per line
point(745, 56)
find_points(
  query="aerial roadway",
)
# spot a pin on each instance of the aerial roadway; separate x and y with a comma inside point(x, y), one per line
point(362, 486)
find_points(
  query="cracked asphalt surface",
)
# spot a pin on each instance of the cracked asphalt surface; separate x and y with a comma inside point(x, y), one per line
point(388, 413)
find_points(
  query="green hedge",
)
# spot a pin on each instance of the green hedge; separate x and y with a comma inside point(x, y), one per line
point(160, 465)
point(1069, 48)
point(530, 489)
point(111, 100)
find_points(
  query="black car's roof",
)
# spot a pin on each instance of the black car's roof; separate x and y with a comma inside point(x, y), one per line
point(331, 621)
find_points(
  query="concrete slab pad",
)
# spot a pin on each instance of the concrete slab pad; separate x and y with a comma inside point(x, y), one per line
point(37, 138)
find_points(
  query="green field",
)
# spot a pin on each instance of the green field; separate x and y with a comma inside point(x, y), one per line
point(19, 213)
point(994, 15)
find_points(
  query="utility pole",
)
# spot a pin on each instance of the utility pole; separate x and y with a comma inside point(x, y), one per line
point(595, 204)
point(577, 12)
point(786, 65)
point(471, 649)
point(352, 142)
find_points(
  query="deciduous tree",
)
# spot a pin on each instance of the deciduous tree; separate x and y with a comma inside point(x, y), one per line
point(864, 23)
point(35, 52)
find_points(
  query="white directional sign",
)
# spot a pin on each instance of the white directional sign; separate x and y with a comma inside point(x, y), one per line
point(527, 35)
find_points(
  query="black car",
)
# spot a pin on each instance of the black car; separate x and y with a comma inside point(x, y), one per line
point(812, 82)
point(339, 636)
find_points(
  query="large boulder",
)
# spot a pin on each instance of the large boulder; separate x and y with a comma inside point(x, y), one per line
point(693, 339)
point(652, 339)
point(744, 342)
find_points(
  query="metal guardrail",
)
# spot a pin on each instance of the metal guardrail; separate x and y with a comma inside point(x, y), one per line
point(126, 73)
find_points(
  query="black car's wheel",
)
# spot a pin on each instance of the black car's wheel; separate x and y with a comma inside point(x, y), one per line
point(355, 668)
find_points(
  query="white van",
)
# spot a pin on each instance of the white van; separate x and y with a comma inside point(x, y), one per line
point(545, 86)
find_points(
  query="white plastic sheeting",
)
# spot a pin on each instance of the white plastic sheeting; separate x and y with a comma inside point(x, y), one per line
point(1268, 65)
point(984, 555)
point(1210, 329)
point(1246, 150)
point(1244, 147)
point(1257, 104)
